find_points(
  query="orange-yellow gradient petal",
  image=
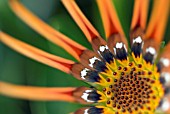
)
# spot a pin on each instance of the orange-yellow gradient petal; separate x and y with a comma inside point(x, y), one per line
point(37, 93)
point(158, 20)
point(89, 31)
point(113, 17)
point(44, 29)
point(36, 54)
point(105, 18)
point(140, 13)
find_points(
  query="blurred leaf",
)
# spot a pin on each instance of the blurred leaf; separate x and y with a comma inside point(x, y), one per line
point(167, 33)
point(91, 11)
point(124, 10)
point(37, 6)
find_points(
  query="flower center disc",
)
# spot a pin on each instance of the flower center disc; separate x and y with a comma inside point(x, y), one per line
point(134, 88)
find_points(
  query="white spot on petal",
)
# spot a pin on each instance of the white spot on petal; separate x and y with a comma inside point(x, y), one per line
point(125, 47)
point(119, 45)
point(86, 111)
point(137, 40)
point(166, 76)
point(85, 96)
point(165, 105)
point(114, 50)
point(92, 61)
point(165, 62)
point(151, 50)
point(103, 48)
point(84, 73)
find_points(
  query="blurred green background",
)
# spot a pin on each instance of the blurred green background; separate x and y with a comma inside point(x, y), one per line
point(18, 69)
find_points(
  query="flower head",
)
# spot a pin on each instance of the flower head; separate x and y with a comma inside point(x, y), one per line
point(124, 77)
point(123, 81)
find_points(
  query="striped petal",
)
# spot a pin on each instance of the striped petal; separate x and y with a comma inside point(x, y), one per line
point(157, 25)
point(92, 60)
point(100, 47)
point(86, 95)
point(140, 12)
point(115, 25)
point(36, 54)
point(89, 31)
point(82, 73)
point(37, 93)
point(105, 17)
point(45, 30)
point(138, 24)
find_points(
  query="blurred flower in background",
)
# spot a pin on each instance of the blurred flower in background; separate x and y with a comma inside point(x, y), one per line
point(20, 70)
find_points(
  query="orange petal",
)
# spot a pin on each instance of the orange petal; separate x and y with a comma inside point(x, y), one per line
point(44, 29)
point(116, 27)
point(36, 54)
point(140, 14)
point(80, 19)
point(144, 13)
point(105, 17)
point(135, 13)
point(158, 20)
point(37, 93)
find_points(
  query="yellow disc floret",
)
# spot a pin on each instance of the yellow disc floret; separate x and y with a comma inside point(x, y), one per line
point(133, 87)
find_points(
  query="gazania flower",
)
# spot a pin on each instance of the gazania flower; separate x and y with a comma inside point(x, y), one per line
point(125, 75)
